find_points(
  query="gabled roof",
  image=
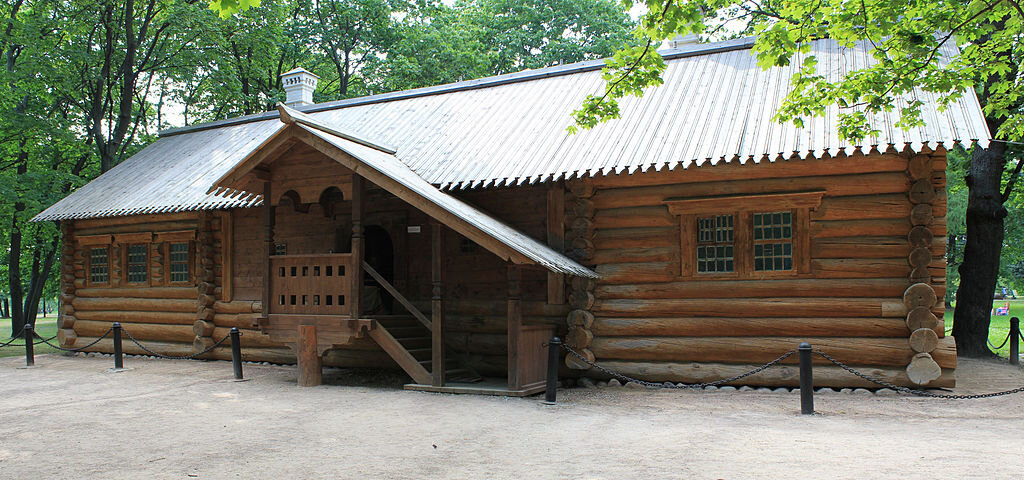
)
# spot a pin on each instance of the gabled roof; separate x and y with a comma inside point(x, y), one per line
point(716, 106)
point(379, 165)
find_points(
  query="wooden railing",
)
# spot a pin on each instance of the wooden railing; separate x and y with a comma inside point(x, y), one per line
point(315, 284)
point(398, 296)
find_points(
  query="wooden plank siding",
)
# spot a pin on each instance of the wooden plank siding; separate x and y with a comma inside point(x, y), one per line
point(651, 321)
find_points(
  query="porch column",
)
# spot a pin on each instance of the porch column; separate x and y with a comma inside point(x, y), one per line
point(356, 275)
point(515, 322)
point(436, 307)
point(268, 246)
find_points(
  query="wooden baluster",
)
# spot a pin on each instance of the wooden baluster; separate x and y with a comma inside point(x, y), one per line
point(515, 323)
point(437, 308)
point(356, 273)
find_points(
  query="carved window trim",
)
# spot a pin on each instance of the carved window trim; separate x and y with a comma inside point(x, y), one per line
point(742, 207)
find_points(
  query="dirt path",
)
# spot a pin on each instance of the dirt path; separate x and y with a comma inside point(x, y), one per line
point(71, 418)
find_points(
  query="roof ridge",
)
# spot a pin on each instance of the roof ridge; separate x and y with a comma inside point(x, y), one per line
point(485, 82)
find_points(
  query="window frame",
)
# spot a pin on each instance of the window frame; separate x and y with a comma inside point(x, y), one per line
point(190, 262)
point(742, 207)
point(88, 265)
point(126, 271)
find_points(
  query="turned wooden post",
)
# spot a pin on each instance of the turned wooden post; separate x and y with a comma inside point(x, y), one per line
point(268, 246)
point(310, 366)
point(515, 322)
point(356, 275)
point(436, 307)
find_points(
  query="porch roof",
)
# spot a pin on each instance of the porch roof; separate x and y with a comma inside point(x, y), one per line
point(379, 165)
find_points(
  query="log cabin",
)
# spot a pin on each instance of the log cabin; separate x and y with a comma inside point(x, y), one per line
point(450, 231)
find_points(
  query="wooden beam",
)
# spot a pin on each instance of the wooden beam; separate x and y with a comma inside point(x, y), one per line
point(436, 306)
point(310, 363)
point(356, 276)
point(268, 246)
point(515, 322)
point(736, 203)
point(556, 240)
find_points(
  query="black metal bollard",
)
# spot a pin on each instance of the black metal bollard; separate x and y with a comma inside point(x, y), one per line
point(554, 345)
point(1014, 341)
point(806, 380)
point(118, 356)
point(236, 353)
point(30, 348)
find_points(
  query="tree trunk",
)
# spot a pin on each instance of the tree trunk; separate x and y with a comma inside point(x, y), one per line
point(980, 268)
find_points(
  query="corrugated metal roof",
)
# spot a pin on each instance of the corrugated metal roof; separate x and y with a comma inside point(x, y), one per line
point(715, 106)
point(489, 226)
point(170, 175)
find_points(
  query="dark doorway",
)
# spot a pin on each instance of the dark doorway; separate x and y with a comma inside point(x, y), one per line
point(380, 254)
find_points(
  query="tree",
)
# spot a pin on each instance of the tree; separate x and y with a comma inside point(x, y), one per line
point(476, 38)
point(907, 37)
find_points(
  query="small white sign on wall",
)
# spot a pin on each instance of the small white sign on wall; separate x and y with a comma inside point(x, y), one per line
point(413, 229)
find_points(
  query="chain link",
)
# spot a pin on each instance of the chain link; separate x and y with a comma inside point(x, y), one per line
point(79, 349)
point(912, 391)
point(1007, 339)
point(681, 385)
point(173, 357)
point(15, 338)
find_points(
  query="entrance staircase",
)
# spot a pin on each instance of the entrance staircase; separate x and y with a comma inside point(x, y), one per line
point(408, 342)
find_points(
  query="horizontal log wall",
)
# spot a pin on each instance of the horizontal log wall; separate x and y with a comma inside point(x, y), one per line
point(648, 320)
point(158, 313)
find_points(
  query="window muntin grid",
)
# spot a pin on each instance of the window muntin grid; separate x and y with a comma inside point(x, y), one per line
point(178, 255)
point(137, 270)
point(773, 241)
point(715, 244)
point(99, 265)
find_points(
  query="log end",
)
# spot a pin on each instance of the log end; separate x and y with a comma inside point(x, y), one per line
point(575, 363)
point(923, 369)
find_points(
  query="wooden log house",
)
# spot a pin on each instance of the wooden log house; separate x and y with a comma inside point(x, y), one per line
point(450, 231)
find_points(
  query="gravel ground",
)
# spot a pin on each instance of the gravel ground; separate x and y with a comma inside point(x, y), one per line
point(72, 418)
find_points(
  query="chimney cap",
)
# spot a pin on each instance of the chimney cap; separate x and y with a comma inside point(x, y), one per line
point(299, 70)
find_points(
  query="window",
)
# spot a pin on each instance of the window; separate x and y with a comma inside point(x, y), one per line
point(137, 265)
point(745, 236)
point(773, 241)
point(178, 256)
point(99, 265)
point(715, 240)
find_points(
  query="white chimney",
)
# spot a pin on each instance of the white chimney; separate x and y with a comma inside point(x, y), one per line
point(299, 85)
point(682, 41)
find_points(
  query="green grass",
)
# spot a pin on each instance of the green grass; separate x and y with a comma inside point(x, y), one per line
point(46, 327)
point(999, 327)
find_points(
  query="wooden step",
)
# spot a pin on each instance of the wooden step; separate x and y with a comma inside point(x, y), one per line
point(415, 342)
point(401, 356)
point(405, 332)
point(462, 375)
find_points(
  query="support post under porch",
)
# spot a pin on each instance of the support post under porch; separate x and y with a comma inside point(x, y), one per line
point(515, 323)
point(355, 295)
point(437, 307)
point(308, 357)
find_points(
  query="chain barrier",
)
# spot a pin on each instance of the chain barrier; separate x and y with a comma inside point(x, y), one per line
point(15, 338)
point(1007, 339)
point(79, 349)
point(645, 383)
point(913, 391)
point(851, 370)
point(173, 357)
point(42, 340)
